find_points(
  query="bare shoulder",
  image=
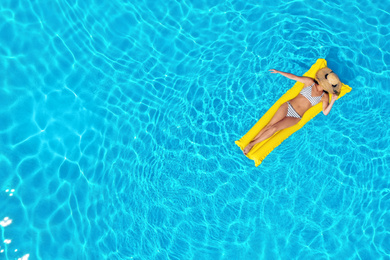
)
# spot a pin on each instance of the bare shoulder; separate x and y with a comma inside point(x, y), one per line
point(307, 81)
point(325, 98)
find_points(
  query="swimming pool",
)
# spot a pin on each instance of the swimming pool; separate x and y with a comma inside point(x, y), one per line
point(118, 122)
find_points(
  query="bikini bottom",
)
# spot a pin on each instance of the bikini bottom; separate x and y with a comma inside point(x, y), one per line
point(291, 111)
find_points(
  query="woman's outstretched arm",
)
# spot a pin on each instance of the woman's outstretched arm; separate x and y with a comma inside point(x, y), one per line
point(305, 80)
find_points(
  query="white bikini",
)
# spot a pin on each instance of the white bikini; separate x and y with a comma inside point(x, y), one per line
point(306, 92)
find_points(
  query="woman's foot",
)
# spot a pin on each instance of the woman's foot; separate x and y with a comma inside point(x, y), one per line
point(247, 148)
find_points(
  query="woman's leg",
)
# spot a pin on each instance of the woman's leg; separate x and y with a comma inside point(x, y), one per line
point(282, 124)
point(279, 115)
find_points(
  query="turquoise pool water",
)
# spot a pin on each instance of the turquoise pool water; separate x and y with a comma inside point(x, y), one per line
point(118, 121)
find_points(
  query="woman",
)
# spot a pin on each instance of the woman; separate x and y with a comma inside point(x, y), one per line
point(313, 92)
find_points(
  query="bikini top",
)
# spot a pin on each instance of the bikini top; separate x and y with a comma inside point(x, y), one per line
point(306, 92)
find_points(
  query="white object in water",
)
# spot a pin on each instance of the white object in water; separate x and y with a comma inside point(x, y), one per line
point(6, 222)
point(25, 257)
point(7, 241)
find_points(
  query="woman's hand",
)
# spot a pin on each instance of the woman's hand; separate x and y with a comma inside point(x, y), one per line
point(334, 97)
point(274, 71)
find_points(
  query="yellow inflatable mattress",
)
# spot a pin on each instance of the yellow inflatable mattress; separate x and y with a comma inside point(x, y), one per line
point(261, 150)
